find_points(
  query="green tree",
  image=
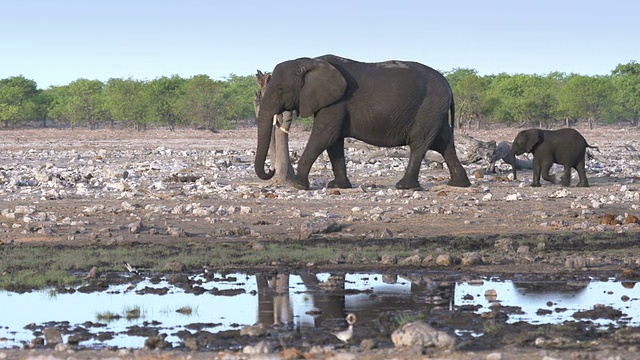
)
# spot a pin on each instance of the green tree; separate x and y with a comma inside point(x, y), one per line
point(17, 95)
point(585, 97)
point(126, 102)
point(202, 104)
point(42, 104)
point(469, 91)
point(58, 109)
point(524, 98)
point(502, 93)
point(79, 103)
point(164, 95)
point(238, 94)
point(625, 79)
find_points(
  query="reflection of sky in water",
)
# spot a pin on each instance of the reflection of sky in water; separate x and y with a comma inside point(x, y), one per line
point(531, 297)
point(19, 310)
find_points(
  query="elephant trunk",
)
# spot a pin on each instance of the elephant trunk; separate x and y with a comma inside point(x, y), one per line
point(264, 139)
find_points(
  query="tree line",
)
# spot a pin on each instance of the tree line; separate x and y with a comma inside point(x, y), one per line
point(204, 103)
point(546, 100)
point(198, 102)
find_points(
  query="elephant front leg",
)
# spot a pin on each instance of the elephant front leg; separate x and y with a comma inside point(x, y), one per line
point(410, 178)
point(544, 169)
point(338, 164)
point(565, 180)
point(318, 142)
point(536, 173)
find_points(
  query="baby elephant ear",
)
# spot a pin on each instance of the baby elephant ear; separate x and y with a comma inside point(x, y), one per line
point(534, 137)
point(322, 85)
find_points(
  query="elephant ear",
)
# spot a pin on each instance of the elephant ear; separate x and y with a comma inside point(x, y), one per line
point(534, 137)
point(322, 85)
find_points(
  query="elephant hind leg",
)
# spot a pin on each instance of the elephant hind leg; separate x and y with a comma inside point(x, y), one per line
point(582, 175)
point(457, 173)
point(338, 163)
point(445, 146)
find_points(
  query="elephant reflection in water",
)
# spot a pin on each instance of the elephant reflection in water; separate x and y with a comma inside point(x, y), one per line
point(329, 298)
point(274, 302)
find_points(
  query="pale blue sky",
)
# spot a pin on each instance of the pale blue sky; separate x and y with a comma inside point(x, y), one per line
point(55, 42)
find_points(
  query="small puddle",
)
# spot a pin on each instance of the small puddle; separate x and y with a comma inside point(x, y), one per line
point(125, 315)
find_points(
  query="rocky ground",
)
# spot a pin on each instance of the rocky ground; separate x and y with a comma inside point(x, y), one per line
point(75, 187)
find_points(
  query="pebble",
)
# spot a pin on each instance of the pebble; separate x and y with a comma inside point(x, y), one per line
point(206, 181)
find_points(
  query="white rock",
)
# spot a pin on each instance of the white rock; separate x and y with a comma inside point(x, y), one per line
point(513, 197)
point(562, 193)
point(420, 333)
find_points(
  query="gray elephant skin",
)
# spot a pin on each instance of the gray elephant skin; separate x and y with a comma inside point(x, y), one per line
point(386, 104)
point(563, 146)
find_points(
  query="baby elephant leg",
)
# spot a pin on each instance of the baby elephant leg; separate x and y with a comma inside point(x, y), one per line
point(546, 167)
point(566, 177)
point(582, 175)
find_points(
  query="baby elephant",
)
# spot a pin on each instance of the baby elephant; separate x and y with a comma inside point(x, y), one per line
point(564, 146)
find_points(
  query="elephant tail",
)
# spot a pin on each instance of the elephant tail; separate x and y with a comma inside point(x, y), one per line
point(452, 112)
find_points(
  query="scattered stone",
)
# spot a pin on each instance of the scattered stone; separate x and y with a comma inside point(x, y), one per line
point(628, 274)
point(562, 193)
point(389, 259)
point(386, 234)
point(290, 354)
point(504, 244)
point(93, 273)
point(446, 260)
point(575, 263)
point(52, 336)
point(513, 197)
point(421, 334)
point(470, 259)
point(176, 232)
point(157, 342)
point(607, 219)
point(175, 267)
point(414, 260)
point(135, 227)
point(317, 225)
point(192, 343)
point(262, 347)
point(367, 344)
point(254, 330)
point(599, 311)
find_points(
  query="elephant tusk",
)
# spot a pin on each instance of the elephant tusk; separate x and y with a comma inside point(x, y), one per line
point(275, 123)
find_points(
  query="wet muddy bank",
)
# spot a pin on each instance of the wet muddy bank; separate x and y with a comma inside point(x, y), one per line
point(426, 271)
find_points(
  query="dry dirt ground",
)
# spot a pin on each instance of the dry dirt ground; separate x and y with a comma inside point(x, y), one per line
point(75, 187)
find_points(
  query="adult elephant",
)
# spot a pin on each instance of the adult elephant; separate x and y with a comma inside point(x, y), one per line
point(386, 104)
